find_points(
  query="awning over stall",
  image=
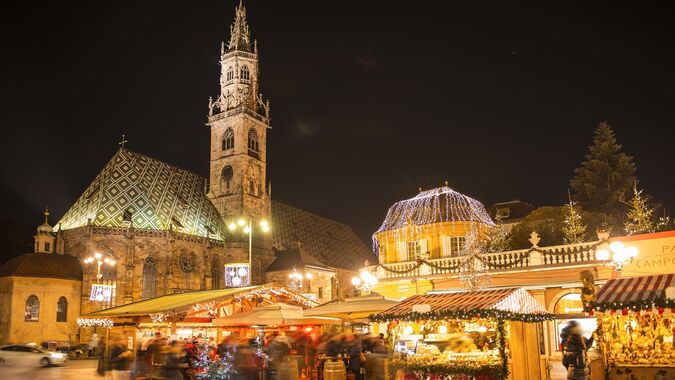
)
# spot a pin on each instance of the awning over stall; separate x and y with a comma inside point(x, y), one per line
point(510, 304)
point(636, 293)
point(278, 314)
point(353, 308)
point(183, 302)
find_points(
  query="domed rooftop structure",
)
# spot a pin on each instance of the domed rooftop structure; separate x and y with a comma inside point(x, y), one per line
point(43, 265)
point(45, 228)
point(438, 205)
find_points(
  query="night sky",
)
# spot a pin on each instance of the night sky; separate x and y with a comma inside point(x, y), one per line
point(370, 100)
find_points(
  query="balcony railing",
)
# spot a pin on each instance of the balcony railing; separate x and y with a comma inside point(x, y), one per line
point(570, 254)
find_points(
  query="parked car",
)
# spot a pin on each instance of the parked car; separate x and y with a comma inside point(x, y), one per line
point(21, 354)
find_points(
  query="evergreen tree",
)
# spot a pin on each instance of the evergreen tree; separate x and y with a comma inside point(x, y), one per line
point(640, 216)
point(574, 230)
point(497, 238)
point(603, 179)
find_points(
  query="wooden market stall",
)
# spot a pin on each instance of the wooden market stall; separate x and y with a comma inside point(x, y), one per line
point(636, 325)
point(183, 315)
point(490, 334)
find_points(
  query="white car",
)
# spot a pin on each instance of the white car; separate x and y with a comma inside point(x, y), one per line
point(20, 354)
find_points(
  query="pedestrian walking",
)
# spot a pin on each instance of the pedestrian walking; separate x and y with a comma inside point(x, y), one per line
point(575, 347)
point(120, 358)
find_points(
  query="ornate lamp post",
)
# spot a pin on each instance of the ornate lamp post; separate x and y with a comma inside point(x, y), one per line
point(246, 225)
point(100, 258)
point(101, 292)
point(618, 256)
point(365, 282)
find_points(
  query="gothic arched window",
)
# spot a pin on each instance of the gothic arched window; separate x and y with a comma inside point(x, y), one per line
point(32, 309)
point(216, 274)
point(251, 187)
point(230, 74)
point(244, 74)
point(62, 310)
point(253, 144)
point(226, 177)
point(149, 287)
point(228, 139)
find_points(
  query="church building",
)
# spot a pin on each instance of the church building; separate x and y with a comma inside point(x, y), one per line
point(160, 229)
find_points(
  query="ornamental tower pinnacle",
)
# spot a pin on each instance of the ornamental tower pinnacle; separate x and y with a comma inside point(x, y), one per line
point(239, 119)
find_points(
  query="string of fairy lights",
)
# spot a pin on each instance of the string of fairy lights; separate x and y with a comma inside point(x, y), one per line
point(411, 216)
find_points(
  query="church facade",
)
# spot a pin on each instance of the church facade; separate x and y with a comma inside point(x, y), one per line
point(169, 230)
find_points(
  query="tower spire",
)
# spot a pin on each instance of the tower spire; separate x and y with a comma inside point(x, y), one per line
point(240, 37)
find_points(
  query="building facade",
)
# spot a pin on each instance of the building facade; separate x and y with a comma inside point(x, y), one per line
point(169, 230)
point(40, 294)
point(553, 275)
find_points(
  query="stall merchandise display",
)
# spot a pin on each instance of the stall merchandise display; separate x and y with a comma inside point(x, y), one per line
point(639, 339)
point(448, 348)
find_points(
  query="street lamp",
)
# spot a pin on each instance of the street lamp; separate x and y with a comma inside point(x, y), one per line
point(618, 255)
point(365, 282)
point(247, 227)
point(295, 279)
point(100, 259)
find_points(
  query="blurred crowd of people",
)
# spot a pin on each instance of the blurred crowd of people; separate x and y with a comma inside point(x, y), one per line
point(275, 356)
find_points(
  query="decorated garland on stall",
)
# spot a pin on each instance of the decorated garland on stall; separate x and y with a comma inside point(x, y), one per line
point(444, 371)
point(636, 305)
point(463, 314)
point(501, 336)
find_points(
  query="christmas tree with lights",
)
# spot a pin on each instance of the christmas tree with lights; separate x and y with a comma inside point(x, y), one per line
point(497, 237)
point(573, 229)
point(640, 216)
point(206, 367)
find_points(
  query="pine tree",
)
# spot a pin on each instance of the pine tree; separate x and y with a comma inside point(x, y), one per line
point(574, 230)
point(640, 216)
point(497, 237)
point(606, 175)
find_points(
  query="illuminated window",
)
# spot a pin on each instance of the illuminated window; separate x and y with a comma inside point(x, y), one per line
point(244, 74)
point(226, 177)
point(230, 74)
point(237, 275)
point(414, 250)
point(453, 245)
point(32, 313)
point(62, 310)
point(253, 143)
point(228, 139)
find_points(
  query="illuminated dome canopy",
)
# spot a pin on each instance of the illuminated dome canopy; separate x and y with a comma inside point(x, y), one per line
point(438, 205)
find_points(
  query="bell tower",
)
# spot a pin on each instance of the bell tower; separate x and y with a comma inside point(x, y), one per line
point(239, 119)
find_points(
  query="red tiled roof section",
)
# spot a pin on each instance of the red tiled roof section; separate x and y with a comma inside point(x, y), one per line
point(333, 244)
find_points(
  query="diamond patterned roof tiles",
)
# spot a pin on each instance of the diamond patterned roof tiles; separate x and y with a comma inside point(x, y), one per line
point(334, 244)
point(155, 193)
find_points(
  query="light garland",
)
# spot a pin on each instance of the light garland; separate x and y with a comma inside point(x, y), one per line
point(95, 322)
point(463, 314)
point(473, 272)
point(438, 205)
point(160, 317)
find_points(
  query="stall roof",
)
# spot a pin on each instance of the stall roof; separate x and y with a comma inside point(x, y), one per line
point(181, 302)
point(278, 314)
point(639, 292)
point(513, 303)
point(353, 308)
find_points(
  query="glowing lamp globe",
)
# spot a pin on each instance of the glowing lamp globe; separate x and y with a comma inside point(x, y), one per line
point(242, 272)
point(309, 275)
point(632, 252)
point(99, 297)
point(236, 281)
point(616, 246)
point(602, 255)
point(356, 281)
